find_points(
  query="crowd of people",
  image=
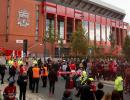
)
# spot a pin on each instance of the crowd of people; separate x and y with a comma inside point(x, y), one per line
point(79, 74)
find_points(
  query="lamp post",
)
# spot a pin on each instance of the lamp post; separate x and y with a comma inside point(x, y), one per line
point(59, 48)
point(46, 36)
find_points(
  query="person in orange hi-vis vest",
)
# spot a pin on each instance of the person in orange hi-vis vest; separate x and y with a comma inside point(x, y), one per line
point(36, 76)
point(44, 74)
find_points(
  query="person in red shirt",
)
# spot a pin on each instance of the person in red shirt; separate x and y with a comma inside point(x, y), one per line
point(10, 91)
point(72, 67)
point(22, 69)
point(15, 64)
point(112, 70)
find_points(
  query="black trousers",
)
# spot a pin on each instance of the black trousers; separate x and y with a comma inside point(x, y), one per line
point(30, 83)
point(121, 95)
point(11, 76)
point(35, 83)
point(2, 77)
point(51, 86)
point(22, 95)
point(44, 80)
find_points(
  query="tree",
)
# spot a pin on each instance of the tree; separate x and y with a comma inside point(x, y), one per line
point(79, 41)
point(61, 46)
point(126, 48)
point(51, 38)
point(112, 40)
point(97, 50)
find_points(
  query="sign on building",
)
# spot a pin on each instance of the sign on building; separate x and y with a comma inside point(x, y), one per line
point(23, 18)
point(19, 41)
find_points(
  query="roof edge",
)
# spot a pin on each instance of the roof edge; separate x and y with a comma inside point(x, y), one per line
point(107, 6)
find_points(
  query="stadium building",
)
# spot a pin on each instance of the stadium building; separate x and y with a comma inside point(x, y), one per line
point(30, 20)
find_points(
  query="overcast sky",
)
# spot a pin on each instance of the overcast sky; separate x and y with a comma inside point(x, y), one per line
point(124, 4)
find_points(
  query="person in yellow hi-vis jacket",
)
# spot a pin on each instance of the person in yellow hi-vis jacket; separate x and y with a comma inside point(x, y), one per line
point(35, 61)
point(20, 62)
point(83, 77)
point(118, 85)
point(10, 62)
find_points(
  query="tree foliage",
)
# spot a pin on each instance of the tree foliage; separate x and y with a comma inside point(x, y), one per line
point(79, 41)
point(126, 48)
point(97, 51)
point(51, 38)
point(61, 46)
point(112, 40)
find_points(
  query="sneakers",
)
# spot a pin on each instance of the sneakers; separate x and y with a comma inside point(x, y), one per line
point(51, 94)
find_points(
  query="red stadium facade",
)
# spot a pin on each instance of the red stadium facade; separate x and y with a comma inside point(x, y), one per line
point(29, 19)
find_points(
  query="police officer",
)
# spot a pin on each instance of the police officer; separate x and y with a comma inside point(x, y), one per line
point(36, 76)
point(10, 62)
point(44, 75)
point(118, 85)
point(35, 61)
point(83, 77)
point(20, 62)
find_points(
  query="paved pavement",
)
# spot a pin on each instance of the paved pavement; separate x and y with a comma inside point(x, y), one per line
point(29, 95)
point(59, 89)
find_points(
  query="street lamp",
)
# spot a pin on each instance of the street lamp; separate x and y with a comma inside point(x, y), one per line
point(59, 48)
point(46, 36)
